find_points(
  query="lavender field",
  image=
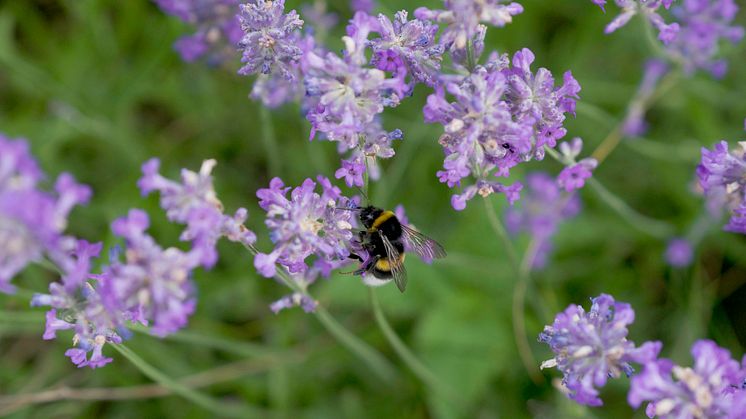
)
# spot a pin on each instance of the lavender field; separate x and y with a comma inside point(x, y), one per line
point(373, 208)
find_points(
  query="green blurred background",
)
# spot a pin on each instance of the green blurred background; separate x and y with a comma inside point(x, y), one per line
point(97, 89)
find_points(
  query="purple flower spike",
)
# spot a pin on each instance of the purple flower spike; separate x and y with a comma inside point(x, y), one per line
point(408, 47)
point(216, 24)
point(591, 347)
point(540, 213)
point(193, 202)
point(709, 389)
point(269, 43)
point(151, 285)
point(704, 25)
point(463, 17)
point(722, 176)
point(305, 223)
point(32, 221)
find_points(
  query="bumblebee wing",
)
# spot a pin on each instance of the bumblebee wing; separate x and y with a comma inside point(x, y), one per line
point(421, 244)
point(395, 262)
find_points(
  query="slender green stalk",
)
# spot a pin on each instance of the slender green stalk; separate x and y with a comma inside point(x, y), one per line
point(519, 293)
point(470, 62)
point(243, 349)
point(418, 368)
point(375, 361)
point(643, 223)
point(217, 407)
point(519, 313)
point(502, 234)
point(270, 141)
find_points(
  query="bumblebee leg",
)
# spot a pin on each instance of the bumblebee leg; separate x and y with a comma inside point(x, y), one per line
point(356, 257)
point(367, 265)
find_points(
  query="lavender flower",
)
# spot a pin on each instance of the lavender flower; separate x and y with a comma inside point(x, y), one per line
point(679, 253)
point(193, 202)
point(217, 27)
point(501, 117)
point(710, 389)
point(574, 175)
point(269, 40)
point(77, 305)
point(347, 96)
point(307, 223)
point(634, 122)
point(32, 221)
point(480, 134)
point(366, 6)
point(704, 23)
point(151, 285)
point(542, 209)
point(592, 346)
point(649, 10)
point(534, 98)
point(463, 17)
point(722, 177)
point(407, 47)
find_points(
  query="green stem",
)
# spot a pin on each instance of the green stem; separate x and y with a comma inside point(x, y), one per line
point(643, 223)
point(270, 141)
point(470, 62)
point(375, 361)
point(406, 355)
point(217, 407)
point(243, 349)
point(519, 293)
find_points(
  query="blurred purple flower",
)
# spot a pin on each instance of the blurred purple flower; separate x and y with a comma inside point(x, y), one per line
point(307, 223)
point(407, 47)
point(704, 23)
point(540, 213)
point(722, 177)
point(710, 389)
point(574, 175)
point(217, 28)
point(591, 347)
point(679, 253)
point(649, 10)
point(151, 285)
point(193, 202)
point(366, 6)
point(634, 122)
point(32, 221)
point(269, 42)
point(463, 17)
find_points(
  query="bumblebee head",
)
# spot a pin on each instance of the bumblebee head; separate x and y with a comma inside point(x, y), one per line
point(369, 214)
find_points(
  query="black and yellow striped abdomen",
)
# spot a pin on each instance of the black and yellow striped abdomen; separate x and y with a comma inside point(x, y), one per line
point(382, 268)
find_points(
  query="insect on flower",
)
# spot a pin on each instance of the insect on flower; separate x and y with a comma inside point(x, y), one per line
point(384, 238)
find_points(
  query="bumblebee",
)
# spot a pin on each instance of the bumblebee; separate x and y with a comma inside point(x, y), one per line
point(385, 239)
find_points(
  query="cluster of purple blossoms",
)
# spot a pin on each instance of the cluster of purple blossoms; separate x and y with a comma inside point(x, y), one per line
point(151, 285)
point(634, 122)
point(704, 23)
point(32, 220)
point(463, 18)
point(712, 388)
point(269, 43)
point(302, 224)
point(543, 207)
point(590, 347)
point(722, 177)
point(646, 8)
point(692, 41)
point(193, 202)
point(218, 29)
point(77, 305)
point(502, 115)
point(142, 281)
